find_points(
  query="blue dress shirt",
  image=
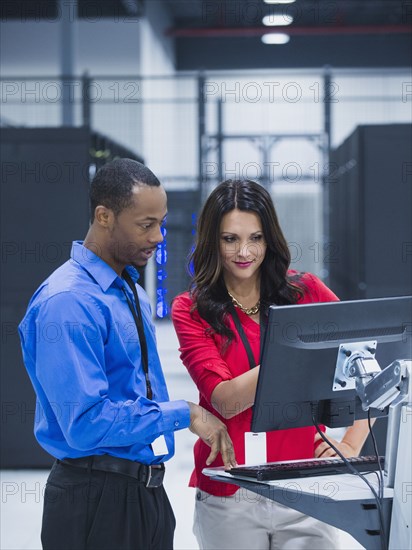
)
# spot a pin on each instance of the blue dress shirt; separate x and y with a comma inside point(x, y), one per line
point(82, 352)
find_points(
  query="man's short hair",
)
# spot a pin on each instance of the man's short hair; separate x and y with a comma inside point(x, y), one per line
point(113, 184)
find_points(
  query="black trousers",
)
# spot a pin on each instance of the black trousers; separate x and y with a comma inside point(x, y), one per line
point(93, 510)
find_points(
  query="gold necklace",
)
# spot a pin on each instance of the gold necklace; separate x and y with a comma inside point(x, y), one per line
point(248, 310)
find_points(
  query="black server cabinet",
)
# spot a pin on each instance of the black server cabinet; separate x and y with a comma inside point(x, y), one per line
point(181, 225)
point(370, 206)
point(44, 207)
point(370, 209)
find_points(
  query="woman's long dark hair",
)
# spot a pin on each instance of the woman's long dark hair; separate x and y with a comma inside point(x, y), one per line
point(208, 287)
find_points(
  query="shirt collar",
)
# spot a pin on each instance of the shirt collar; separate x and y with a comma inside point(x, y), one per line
point(101, 272)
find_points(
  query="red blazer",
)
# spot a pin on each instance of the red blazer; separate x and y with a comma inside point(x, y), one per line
point(201, 355)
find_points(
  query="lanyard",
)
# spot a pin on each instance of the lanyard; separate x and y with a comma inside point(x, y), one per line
point(241, 332)
point(138, 319)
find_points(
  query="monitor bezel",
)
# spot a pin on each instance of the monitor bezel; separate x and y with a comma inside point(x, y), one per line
point(336, 409)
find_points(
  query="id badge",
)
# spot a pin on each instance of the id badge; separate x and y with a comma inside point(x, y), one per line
point(159, 446)
point(255, 448)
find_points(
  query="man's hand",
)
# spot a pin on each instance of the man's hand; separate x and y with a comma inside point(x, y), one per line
point(214, 433)
point(322, 450)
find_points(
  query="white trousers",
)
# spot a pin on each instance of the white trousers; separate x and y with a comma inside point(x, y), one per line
point(248, 521)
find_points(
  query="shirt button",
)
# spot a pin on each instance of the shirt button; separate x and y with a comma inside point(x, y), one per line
point(177, 423)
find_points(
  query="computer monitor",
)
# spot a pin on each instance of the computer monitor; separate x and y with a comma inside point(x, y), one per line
point(306, 345)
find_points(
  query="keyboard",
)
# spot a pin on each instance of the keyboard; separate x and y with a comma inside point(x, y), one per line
point(307, 468)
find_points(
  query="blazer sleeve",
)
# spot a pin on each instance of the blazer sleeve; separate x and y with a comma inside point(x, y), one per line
point(317, 291)
point(199, 349)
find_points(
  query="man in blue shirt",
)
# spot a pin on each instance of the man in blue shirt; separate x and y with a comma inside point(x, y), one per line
point(103, 410)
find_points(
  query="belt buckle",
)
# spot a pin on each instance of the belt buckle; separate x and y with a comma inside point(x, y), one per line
point(155, 476)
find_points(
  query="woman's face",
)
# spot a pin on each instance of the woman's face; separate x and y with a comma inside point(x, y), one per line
point(242, 245)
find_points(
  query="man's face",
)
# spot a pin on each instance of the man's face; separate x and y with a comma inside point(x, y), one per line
point(136, 231)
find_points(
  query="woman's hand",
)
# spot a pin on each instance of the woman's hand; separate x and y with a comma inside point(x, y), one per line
point(323, 450)
point(351, 444)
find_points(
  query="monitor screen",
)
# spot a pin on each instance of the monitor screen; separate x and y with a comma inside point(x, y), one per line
point(306, 345)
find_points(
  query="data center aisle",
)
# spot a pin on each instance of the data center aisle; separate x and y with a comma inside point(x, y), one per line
point(22, 490)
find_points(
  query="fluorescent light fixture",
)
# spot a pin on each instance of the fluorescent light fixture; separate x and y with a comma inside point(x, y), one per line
point(277, 20)
point(275, 38)
point(279, 1)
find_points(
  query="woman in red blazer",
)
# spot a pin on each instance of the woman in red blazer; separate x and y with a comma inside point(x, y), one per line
point(240, 266)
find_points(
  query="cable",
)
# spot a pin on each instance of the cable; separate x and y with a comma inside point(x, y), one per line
point(354, 471)
point(375, 448)
point(379, 474)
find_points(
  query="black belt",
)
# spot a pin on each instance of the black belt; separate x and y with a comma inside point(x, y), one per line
point(149, 474)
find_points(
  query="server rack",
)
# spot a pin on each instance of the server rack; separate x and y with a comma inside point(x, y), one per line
point(44, 207)
point(370, 197)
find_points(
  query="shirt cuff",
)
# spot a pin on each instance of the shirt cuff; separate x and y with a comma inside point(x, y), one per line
point(175, 415)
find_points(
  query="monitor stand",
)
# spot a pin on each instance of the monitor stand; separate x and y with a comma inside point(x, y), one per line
point(344, 500)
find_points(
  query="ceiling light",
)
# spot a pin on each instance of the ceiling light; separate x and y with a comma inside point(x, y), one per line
point(275, 38)
point(279, 1)
point(277, 20)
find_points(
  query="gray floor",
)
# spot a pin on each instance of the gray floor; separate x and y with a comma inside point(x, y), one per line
point(22, 490)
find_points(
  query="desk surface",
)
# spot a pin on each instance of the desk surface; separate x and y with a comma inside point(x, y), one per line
point(340, 487)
